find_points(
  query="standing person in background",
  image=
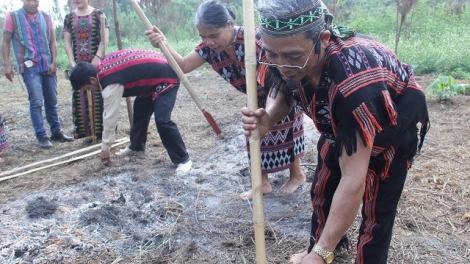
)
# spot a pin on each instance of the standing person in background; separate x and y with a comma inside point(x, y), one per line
point(83, 42)
point(366, 104)
point(35, 47)
point(223, 47)
point(4, 144)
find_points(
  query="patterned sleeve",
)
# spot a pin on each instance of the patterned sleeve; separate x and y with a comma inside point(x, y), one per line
point(203, 51)
point(359, 101)
point(68, 23)
point(98, 14)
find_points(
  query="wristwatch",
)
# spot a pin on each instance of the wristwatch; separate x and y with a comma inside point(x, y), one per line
point(327, 256)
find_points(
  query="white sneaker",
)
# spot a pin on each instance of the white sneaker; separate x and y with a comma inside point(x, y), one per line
point(126, 152)
point(184, 168)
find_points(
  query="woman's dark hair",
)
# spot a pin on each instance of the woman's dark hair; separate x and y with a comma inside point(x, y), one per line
point(213, 14)
point(80, 75)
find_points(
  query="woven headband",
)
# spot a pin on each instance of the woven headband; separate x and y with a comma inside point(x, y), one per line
point(304, 20)
point(295, 22)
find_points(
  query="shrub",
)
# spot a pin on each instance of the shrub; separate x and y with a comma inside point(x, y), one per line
point(445, 87)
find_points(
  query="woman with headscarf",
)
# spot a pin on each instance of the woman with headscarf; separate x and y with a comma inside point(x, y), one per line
point(83, 42)
point(365, 103)
point(223, 47)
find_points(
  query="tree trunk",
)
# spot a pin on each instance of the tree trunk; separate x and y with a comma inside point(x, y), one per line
point(116, 25)
point(397, 31)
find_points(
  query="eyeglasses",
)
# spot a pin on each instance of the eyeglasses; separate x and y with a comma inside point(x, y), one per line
point(284, 65)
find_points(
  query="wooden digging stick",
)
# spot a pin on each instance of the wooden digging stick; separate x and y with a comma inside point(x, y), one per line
point(62, 162)
point(179, 72)
point(255, 155)
point(91, 114)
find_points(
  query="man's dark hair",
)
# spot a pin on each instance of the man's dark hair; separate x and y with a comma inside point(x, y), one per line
point(80, 75)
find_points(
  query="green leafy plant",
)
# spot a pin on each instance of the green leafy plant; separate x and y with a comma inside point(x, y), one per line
point(445, 87)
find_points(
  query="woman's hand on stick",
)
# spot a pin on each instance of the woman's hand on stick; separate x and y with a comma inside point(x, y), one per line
point(155, 36)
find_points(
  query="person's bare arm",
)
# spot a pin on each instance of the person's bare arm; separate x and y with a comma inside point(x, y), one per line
point(53, 47)
point(8, 70)
point(101, 52)
point(187, 63)
point(69, 49)
point(346, 200)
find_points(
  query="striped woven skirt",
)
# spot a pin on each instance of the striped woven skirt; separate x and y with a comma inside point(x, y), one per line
point(4, 144)
point(283, 143)
point(82, 116)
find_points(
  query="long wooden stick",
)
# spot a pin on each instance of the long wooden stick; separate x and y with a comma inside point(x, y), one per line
point(91, 115)
point(179, 72)
point(255, 153)
point(59, 163)
point(42, 162)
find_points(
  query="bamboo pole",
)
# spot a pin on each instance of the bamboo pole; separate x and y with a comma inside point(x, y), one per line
point(61, 162)
point(255, 153)
point(174, 65)
point(41, 162)
point(91, 115)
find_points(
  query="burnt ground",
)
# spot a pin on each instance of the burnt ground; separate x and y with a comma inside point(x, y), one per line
point(137, 211)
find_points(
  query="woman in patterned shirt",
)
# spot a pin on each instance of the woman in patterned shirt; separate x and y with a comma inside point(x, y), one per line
point(83, 42)
point(223, 47)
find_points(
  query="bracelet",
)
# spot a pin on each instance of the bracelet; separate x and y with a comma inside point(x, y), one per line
point(98, 57)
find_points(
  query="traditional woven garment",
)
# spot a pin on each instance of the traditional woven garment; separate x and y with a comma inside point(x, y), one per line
point(4, 144)
point(364, 88)
point(86, 37)
point(27, 32)
point(136, 69)
point(285, 140)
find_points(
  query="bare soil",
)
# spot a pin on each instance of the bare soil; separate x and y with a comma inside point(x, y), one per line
point(137, 211)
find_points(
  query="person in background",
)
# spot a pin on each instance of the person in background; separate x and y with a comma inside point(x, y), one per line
point(4, 144)
point(146, 75)
point(366, 104)
point(32, 33)
point(84, 42)
point(223, 47)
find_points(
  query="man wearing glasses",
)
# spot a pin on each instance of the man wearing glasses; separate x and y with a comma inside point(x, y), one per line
point(365, 103)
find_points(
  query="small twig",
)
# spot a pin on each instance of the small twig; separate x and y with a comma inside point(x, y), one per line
point(416, 223)
point(443, 188)
point(452, 225)
point(248, 200)
point(274, 233)
point(195, 207)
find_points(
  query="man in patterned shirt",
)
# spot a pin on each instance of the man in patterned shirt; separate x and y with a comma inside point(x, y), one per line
point(146, 75)
point(32, 33)
point(365, 103)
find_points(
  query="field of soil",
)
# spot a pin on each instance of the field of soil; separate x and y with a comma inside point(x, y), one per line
point(137, 211)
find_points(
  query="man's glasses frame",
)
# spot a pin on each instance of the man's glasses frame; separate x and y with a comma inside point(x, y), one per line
point(285, 65)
